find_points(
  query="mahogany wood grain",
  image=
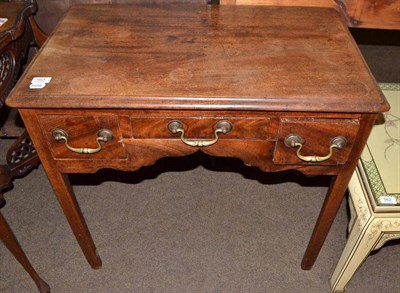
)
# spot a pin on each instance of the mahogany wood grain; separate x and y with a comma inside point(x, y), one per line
point(12, 12)
point(334, 197)
point(82, 132)
point(316, 143)
point(65, 195)
point(303, 3)
point(203, 128)
point(268, 70)
point(66, 198)
point(201, 57)
point(383, 14)
point(52, 11)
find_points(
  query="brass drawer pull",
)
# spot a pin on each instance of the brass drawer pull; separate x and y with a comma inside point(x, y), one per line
point(294, 140)
point(176, 126)
point(103, 135)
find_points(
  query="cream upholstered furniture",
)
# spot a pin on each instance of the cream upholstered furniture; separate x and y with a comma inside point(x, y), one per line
point(374, 193)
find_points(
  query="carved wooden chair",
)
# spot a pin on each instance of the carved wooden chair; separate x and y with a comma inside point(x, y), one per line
point(374, 194)
point(18, 31)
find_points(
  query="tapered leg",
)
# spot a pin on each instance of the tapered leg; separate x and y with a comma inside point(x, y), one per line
point(11, 242)
point(67, 200)
point(328, 212)
point(63, 190)
point(336, 194)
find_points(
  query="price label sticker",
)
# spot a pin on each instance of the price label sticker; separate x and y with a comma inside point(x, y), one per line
point(388, 200)
point(36, 86)
point(3, 20)
point(41, 80)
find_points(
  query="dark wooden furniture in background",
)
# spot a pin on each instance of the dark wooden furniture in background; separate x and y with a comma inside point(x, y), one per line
point(279, 88)
point(382, 14)
point(16, 35)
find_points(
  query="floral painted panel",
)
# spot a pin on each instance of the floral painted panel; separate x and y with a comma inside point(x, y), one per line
point(381, 156)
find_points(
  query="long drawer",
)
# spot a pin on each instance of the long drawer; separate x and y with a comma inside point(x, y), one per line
point(204, 128)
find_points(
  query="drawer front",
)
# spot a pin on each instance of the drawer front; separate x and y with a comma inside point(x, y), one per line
point(82, 132)
point(196, 128)
point(316, 137)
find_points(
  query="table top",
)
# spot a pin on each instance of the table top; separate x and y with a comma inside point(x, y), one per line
point(13, 15)
point(201, 57)
point(10, 11)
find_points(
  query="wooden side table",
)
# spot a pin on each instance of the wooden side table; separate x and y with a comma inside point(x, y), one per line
point(121, 86)
point(374, 194)
point(17, 32)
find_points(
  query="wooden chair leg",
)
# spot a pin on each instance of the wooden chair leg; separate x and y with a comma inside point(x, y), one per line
point(11, 242)
point(39, 35)
point(21, 159)
point(5, 182)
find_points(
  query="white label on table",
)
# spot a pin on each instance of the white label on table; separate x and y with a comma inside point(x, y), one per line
point(41, 80)
point(37, 85)
point(388, 200)
point(3, 20)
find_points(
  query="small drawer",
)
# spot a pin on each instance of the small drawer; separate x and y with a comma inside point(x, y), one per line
point(83, 136)
point(315, 141)
point(204, 127)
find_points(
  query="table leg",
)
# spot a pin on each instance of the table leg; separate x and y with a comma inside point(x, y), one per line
point(63, 190)
point(328, 212)
point(336, 194)
point(11, 242)
point(69, 204)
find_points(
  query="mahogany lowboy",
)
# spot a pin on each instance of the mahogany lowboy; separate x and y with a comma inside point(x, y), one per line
point(278, 88)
